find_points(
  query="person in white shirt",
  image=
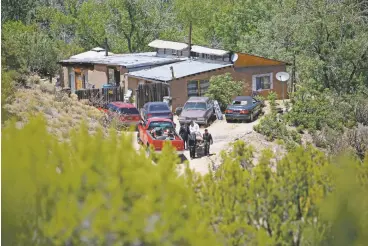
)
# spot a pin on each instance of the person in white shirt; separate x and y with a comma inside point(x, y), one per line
point(194, 127)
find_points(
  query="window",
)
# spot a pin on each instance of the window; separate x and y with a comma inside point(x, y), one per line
point(195, 106)
point(158, 107)
point(161, 124)
point(262, 82)
point(197, 88)
point(128, 111)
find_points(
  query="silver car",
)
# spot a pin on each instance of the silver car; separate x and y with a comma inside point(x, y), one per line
point(198, 109)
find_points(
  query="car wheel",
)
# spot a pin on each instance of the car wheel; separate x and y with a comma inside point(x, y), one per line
point(228, 121)
point(251, 117)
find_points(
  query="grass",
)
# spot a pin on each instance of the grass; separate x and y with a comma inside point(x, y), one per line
point(62, 113)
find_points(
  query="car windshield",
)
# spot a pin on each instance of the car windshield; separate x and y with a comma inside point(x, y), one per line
point(158, 107)
point(128, 111)
point(161, 124)
point(195, 106)
point(242, 103)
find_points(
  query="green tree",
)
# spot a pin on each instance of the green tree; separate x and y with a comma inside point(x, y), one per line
point(222, 88)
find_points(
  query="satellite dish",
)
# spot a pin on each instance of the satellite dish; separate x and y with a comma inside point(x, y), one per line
point(234, 57)
point(282, 76)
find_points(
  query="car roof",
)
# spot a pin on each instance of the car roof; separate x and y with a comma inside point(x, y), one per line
point(243, 98)
point(123, 105)
point(198, 99)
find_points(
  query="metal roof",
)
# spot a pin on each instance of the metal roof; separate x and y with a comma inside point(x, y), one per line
point(94, 53)
point(162, 44)
point(181, 69)
point(209, 51)
point(127, 60)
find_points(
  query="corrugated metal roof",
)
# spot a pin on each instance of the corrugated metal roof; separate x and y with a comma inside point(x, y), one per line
point(209, 51)
point(127, 60)
point(162, 44)
point(181, 69)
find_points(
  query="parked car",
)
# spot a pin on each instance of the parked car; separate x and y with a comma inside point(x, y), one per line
point(126, 112)
point(155, 131)
point(198, 109)
point(156, 109)
point(243, 108)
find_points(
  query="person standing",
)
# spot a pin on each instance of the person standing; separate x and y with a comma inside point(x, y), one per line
point(192, 144)
point(194, 127)
point(184, 132)
point(207, 139)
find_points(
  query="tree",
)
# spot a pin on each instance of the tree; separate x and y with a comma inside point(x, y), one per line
point(222, 88)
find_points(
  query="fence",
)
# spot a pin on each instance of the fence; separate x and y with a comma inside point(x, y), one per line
point(152, 92)
point(100, 97)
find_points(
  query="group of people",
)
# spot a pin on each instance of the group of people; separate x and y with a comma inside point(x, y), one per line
point(189, 134)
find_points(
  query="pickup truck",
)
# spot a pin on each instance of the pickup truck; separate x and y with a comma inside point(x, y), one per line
point(155, 131)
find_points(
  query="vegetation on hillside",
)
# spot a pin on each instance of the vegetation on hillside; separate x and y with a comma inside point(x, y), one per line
point(97, 190)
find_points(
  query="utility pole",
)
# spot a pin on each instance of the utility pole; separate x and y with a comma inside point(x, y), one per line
point(190, 38)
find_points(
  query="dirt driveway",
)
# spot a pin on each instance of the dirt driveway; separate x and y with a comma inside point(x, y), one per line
point(223, 133)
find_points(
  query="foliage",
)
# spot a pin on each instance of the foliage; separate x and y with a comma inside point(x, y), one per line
point(272, 96)
point(63, 113)
point(274, 128)
point(260, 206)
point(7, 91)
point(314, 110)
point(222, 88)
point(98, 190)
point(93, 191)
point(26, 48)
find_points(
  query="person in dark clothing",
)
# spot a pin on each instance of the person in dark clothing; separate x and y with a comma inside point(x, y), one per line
point(184, 133)
point(192, 144)
point(207, 139)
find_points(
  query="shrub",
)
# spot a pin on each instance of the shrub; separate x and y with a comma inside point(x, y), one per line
point(93, 191)
point(274, 128)
point(222, 88)
point(272, 96)
point(361, 112)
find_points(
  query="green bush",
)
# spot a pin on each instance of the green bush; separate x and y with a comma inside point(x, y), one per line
point(93, 191)
point(314, 110)
point(223, 89)
point(96, 190)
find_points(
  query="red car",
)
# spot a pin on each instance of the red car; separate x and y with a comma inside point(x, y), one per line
point(155, 131)
point(126, 112)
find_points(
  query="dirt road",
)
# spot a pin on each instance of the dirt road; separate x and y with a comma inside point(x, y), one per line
point(223, 133)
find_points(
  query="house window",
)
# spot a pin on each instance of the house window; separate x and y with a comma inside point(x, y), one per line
point(262, 82)
point(197, 87)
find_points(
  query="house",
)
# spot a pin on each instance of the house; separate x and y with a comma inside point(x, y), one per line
point(97, 67)
point(190, 77)
point(186, 70)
